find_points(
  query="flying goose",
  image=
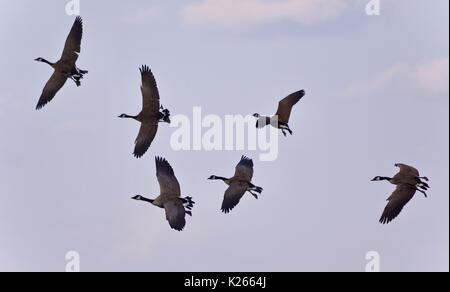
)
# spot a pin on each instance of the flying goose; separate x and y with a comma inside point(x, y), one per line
point(151, 115)
point(176, 207)
point(66, 67)
point(407, 175)
point(239, 184)
point(408, 182)
point(283, 113)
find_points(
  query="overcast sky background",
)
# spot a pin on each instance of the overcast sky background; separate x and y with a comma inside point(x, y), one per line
point(377, 94)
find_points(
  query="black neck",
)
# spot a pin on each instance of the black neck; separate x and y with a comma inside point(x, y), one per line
point(124, 116)
point(47, 62)
point(221, 178)
point(385, 178)
point(147, 200)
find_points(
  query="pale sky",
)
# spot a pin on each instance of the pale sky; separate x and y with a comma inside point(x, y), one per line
point(377, 94)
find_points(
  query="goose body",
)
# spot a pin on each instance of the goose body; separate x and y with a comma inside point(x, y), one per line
point(170, 199)
point(283, 113)
point(408, 182)
point(66, 67)
point(151, 115)
point(239, 184)
point(406, 175)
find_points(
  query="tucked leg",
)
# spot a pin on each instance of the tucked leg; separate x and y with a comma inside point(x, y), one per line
point(423, 192)
point(284, 128)
point(253, 194)
point(76, 79)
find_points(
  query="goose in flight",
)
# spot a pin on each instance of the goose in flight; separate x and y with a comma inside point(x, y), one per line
point(151, 115)
point(408, 182)
point(283, 113)
point(407, 175)
point(169, 199)
point(66, 67)
point(239, 184)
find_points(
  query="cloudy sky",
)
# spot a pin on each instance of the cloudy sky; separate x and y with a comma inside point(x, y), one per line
point(377, 94)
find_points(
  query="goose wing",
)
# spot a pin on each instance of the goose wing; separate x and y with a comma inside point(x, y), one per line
point(145, 138)
point(408, 170)
point(168, 183)
point(244, 169)
point(54, 84)
point(233, 196)
point(175, 214)
point(407, 174)
point(285, 106)
point(73, 43)
point(150, 94)
point(397, 201)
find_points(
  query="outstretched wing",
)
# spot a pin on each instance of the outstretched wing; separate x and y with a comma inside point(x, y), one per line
point(397, 201)
point(244, 169)
point(73, 43)
point(175, 214)
point(168, 183)
point(408, 170)
point(54, 84)
point(145, 138)
point(285, 106)
point(233, 196)
point(150, 94)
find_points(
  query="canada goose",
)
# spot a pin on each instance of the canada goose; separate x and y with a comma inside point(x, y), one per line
point(408, 182)
point(151, 115)
point(66, 66)
point(239, 184)
point(176, 207)
point(407, 175)
point(283, 113)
